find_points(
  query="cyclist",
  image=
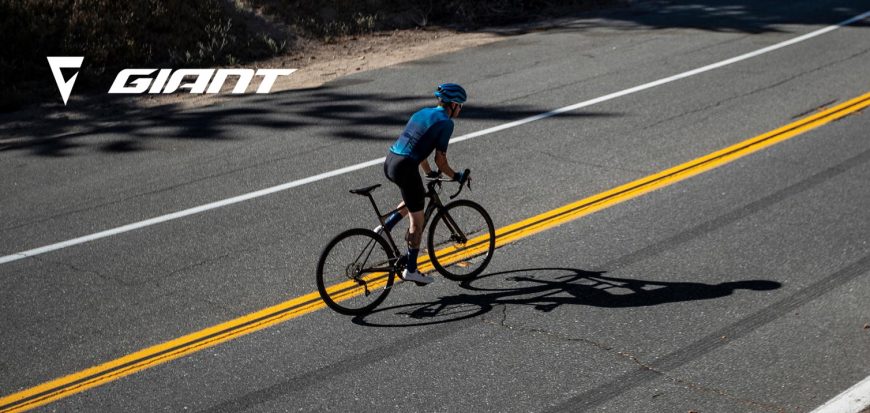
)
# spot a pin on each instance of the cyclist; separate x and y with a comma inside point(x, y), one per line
point(428, 130)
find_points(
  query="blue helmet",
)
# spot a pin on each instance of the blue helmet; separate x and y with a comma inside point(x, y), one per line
point(451, 93)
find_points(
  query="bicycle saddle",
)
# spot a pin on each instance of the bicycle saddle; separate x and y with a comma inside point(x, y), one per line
point(365, 191)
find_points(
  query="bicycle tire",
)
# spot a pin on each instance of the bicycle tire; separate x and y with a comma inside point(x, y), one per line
point(477, 251)
point(342, 296)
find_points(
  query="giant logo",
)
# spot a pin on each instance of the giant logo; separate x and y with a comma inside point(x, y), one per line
point(137, 81)
point(64, 62)
point(207, 80)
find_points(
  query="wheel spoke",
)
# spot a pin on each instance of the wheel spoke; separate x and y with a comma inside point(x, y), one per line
point(461, 221)
point(346, 280)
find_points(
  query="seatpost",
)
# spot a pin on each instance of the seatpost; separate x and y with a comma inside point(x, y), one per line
point(377, 211)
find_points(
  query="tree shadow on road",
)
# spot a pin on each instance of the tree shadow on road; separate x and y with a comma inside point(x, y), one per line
point(119, 125)
point(546, 289)
point(738, 16)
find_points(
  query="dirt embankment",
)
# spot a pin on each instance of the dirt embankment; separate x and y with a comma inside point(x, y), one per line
point(322, 63)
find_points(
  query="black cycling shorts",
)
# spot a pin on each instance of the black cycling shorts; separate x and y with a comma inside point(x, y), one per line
point(405, 172)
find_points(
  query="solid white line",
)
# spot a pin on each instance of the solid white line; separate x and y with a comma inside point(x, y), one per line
point(488, 131)
point(849, 401)
point(190, 211)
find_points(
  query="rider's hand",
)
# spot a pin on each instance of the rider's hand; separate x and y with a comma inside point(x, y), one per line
point(433, 174)
point(463, 176)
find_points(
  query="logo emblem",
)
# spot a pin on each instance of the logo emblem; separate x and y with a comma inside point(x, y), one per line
point(64, 62)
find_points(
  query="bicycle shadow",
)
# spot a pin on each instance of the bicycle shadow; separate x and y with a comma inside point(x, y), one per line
point(546, 289)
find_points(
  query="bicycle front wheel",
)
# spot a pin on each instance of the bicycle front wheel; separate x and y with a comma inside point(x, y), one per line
point(355, 272)
point(461, 240)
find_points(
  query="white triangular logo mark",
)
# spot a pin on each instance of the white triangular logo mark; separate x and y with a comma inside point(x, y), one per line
point(64, 62)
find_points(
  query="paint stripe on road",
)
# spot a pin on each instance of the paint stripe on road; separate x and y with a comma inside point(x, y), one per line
point(373, 162)
point(852, 400)
point(95, 376)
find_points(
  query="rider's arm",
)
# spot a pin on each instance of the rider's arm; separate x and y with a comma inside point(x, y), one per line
point(443, 166)
point(443, 131)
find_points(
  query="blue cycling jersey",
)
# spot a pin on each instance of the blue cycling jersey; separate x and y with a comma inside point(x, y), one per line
point(427, 130)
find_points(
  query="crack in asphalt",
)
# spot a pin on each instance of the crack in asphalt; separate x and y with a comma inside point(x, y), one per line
point(194, 295)
point(295, 384)
point(584, 163)
point(173, 273)
point(664, 60)
point(651, 371)
point(687, 384)
point(77, 269)
point(187, 297)
point(153, 281)
point(713, 341)
point(717, 44)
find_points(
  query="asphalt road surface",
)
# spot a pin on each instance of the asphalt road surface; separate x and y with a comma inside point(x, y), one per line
point(742, 289)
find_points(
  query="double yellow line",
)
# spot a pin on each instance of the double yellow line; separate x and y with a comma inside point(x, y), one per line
point(182, 346)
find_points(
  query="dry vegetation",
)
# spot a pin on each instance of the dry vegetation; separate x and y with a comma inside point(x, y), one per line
point(181, 33)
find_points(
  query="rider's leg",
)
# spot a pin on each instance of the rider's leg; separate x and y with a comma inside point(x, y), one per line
point(415, 231)
point(395, 217)
point(394, 174)
point(404, 172)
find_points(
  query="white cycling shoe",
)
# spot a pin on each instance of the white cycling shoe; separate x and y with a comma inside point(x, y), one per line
point(416, 277)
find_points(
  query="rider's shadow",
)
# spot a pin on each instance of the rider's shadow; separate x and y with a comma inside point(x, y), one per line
point(546, 289)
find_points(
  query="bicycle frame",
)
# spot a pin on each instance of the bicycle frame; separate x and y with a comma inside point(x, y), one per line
point(434, 204)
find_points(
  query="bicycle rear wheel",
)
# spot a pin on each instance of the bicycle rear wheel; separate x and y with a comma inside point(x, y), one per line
point(464, 237)
point(355, 271)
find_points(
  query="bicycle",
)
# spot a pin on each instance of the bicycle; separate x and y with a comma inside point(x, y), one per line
point(364, 264)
